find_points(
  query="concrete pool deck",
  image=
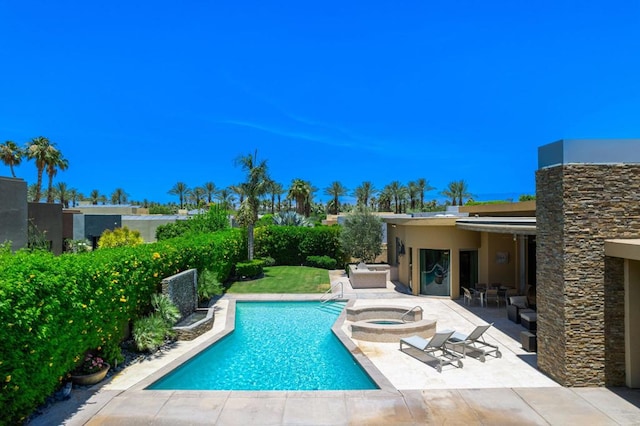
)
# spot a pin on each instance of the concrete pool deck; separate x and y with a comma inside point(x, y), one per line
point(509, 390)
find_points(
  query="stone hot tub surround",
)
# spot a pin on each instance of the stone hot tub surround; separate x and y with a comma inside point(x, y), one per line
point(388, 323)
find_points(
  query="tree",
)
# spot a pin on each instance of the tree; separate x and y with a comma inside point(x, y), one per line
point(181, 190)
point(11, 155)
point(55, 162)
point(457, 191)
point(210, 191)
point(423, 186)
point(252, 188)
point(364, 193)
point(412, 192)
point(38, 149)
point(119, 196)
point(197, 195)
point(361, 235)
point(63, 193)
point(94, 196)
point(74, 196)
point(300, 191)
point(396, 189)
point(335, 190)
point(463, 192)
point(225, 198)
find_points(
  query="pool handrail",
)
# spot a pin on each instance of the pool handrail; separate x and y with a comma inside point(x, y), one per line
point(409, 311)
point(330, 292)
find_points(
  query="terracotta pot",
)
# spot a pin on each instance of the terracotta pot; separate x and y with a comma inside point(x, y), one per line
point(91, 379)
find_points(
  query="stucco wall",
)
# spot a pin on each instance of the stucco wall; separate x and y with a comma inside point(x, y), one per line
point(444, 237)
point(580, 292)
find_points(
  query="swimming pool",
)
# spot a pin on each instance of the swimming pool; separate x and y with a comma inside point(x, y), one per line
point(275, 346)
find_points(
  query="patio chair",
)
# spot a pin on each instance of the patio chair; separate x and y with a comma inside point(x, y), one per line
point(473, 344)
point(433, 349)
point(492, 295)
point(470, 295)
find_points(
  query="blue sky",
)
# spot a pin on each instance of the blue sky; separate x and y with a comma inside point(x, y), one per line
point(141, 95)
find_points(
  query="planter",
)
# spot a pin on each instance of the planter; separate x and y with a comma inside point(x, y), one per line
point(90, 379)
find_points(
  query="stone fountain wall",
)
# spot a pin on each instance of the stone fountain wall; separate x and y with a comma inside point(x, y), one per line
point(182, 290)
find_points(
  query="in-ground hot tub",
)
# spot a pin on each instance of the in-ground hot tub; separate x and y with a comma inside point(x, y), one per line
point(388, 323)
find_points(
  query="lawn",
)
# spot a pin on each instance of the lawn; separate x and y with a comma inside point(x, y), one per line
point(285, 279)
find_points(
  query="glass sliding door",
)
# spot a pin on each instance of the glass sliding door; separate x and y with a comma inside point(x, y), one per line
point(434, 272)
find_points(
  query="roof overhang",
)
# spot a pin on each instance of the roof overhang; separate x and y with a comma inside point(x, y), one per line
point(500, 225)
point(625, 249)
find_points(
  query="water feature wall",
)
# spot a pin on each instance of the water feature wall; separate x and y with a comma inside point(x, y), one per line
point(182, 290)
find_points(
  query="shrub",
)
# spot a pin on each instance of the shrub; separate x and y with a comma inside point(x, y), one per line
point(290, 245)
point(55, 309)
point(269, 261)
point(165, 309)
point(250, 269)
point(324, 262)
point(208, 285)
point(212, 220)
point(120, 237)
point(149, 332)
point(158, 209)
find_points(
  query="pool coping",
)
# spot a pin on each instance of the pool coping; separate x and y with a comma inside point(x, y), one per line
point(384, 385)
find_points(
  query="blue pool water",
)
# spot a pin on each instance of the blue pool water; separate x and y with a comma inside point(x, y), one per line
point(275, 346)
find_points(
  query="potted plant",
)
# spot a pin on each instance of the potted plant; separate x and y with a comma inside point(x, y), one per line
point(92, 369)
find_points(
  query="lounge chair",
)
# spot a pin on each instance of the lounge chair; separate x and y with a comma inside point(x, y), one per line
point(434, 349)
point(473, 344)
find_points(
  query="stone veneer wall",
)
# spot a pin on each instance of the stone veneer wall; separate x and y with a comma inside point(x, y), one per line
point(182, 290)
point(580, 291)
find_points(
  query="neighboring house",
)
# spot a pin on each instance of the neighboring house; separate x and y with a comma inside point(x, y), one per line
point(13, 212)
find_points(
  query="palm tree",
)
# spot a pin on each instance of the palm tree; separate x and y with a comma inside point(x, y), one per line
point(457, 191)
point(463, 192)
point(237, 189)
point(197, 194)
point(55, 162)
point(253, 188)
point(11, 155)
point(423, 186)
point(335, 190)
point(299, 191)
point(181, 190)
point(210, 191)
point(364, 192)
point(94, 196)
point(225, 198)
point(63, 193)
point(38, 149)
point(397, 191)
point(384, 199)
point(118, 196)
point(74, 196)
point(276, 190)
point(412, 192)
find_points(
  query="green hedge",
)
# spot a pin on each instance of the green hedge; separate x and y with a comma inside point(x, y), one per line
point(291, 245)
point(250, 269)
point(53, 309)
point(324, 262)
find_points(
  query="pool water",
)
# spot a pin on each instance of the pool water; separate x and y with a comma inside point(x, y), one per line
point(275, 346)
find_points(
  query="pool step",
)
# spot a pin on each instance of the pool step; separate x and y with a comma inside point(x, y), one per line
point(330, 306)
